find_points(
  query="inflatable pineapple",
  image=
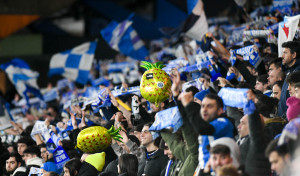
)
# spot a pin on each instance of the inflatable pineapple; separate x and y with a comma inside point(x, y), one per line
point(155, 84)
point(97, 138)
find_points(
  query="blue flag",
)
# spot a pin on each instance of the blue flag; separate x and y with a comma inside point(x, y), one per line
point(60, 157)
point(123, 38)
point(169, 118)
point(234, 97)
point(74, 64)
point(22, 77)
point(50, 145)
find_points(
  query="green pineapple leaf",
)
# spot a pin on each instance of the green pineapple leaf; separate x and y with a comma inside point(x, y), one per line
point(114, 133)
point(161, 66)
point(147, 65)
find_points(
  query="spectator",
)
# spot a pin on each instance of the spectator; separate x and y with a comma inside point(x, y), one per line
point(292, 79)
point(31, 158)
point(23, 143)
point(223, 151)
point(13, 165)
point(277, 88)
point(128, 165)
point(297, 90)
point(278, 157)
point(154, 161)
point(210, 122)
point(291, 63)
point(262, 85)
point(72, 167)
point(49, 164)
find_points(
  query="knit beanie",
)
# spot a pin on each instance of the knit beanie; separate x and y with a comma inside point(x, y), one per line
point(293, 110)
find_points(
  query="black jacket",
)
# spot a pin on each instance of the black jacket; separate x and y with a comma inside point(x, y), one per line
point(256, 163)
point(87, 170)
point(153, 165)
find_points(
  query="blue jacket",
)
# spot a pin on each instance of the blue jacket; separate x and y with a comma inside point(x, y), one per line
point(284, 92)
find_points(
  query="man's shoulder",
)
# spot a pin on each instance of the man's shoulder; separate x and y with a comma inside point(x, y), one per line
point(20, 171)
point(220, 120)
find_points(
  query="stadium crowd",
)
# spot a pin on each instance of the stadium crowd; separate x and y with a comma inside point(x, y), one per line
point(258, 139)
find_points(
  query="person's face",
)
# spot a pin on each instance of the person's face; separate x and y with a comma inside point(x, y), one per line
point(11, 164)
point(66, 172)
point(146, 137)
point(277, 162)
point(259, 86)
point(276, 91)
point(28, 156)
point(168, 152)
point(243, 127)
point(288, 59)
point(272, 78)
point(291, 89)
point(273, 68)
point(21, 148)
point(44, 154)
point(210, 110)
point(297, 92)
point(10, 149)
point(219, 160)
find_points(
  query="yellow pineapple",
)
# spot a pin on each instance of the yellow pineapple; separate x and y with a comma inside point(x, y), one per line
point(155, 84)
point(97, 138)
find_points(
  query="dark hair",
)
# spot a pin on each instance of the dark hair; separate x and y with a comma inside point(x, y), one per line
point(218, 99)
point(276, 62)
point(67, 145)
point(272, 146)
point(294, 46)
point(263, 79)
point(220, 149)
point(28, 130)
point(128, 163)
point(293, 77)
point(17, 156)
point(157, 140)
point(53, 173)
point(33, 149)
point(73, 165)
point(73, 154)
point(26, 140)
point(243, 85)
point(138, 127)
point(42, 145)
point(297, 85)
point(279, 84)
point(162, 144)
point(134, 139)
point(192, 89)
point(266, 105)
point(149, 124)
